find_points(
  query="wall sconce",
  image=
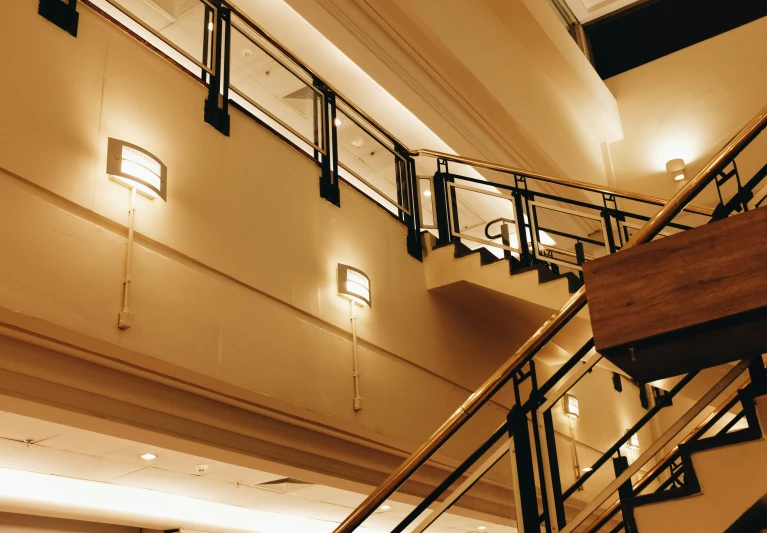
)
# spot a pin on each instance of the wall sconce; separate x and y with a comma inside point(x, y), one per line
point(633, 443)
point(137, 169)
point(676, 167)
point(570, 406)
point(134, 167)
point(354, 285)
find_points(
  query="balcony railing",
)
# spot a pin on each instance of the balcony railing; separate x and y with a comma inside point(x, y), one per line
point(557, 222)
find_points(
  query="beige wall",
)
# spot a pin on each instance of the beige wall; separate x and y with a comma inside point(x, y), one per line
point(234, 277)
point(20, 523)
point(688, 105)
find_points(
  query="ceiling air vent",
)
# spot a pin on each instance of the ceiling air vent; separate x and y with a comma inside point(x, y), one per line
point(284, 485)
point(175, 9)
point(301, 100)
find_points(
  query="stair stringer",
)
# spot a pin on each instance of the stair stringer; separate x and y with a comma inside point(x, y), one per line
point(443, 268)
point(710, 501)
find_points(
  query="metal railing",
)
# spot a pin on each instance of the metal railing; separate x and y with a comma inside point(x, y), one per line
point(314, 116)
point(528, 507)
point(348, 144)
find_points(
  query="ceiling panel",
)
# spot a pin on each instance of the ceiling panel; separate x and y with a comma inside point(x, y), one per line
point(21, 428)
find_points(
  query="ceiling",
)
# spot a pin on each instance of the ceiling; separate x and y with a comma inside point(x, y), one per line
point(69, 454)
point(588, 10)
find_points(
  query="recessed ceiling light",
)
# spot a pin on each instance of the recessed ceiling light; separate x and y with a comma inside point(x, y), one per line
point(148, 457)
point(385, 507)
point(338, 122)
point(588, 469)
point(427, 193)
point(357, 141)
point(247, 52)
point(210, 26)
point(481, 528)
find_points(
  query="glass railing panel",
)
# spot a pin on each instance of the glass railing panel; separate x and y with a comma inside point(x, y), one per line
point(183, 31)
point(370, 162)
point(427, 202)
point(266, 84)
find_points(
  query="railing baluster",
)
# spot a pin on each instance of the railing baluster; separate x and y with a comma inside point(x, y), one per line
point(217, 104)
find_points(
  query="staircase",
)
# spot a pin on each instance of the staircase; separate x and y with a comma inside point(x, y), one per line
point(704, 483)
point(723, 477)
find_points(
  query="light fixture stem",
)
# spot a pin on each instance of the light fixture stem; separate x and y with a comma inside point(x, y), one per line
point(576, 463)
point(355, 362)
point(124, 320)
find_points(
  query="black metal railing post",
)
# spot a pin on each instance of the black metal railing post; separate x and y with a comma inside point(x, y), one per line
point(329, 186)
point(441, 199)
point(556, 483)
point(519, 430)
point(625, 491)
point(520, 214)
point(407, 195)
point(62, 13)
point(217, 103)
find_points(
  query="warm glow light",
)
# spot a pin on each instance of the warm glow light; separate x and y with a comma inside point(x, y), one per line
point(385, 507)
point(633, 442)
point(148, 457)
point(28, 491)
point(353, 285)
point(427, 193)
point(481, 528)
point(337, 122)
point(587, 469)
point(210, 26)
point(570, 406)
point(676, 167)
point(134, 167)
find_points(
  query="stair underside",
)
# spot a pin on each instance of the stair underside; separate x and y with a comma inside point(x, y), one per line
point(725, 480)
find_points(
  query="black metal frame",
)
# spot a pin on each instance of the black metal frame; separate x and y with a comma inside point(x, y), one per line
point(62, 14)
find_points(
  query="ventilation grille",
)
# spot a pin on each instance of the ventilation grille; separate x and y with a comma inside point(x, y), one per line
point(176, 9)
point(301, 100)
point(284, 485)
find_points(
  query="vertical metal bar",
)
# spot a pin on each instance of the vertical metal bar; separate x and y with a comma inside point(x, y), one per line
point(64, 15)
point(519, 213)
point(520, 432)
point(557, 501)
point(217, 104)
point(206, 42)
point(609, 231)
point(329, 187)
point(440, 207)
point(625, 491)
point(414, 219)
point(454, 203)
point(539, 451)
point(316, 113)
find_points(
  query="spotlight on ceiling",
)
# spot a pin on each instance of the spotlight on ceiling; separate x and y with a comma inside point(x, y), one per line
point(132, 166)
point(676, 167)
point(337, 122)
point(353, 284)
point(427, 193)
point(149, 457)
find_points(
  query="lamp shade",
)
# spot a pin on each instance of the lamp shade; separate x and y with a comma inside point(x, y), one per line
point(570, 406)
point(133, 166)
point(354, 285)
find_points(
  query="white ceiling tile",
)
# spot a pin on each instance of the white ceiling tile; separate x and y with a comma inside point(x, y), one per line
point(153, 479)
point(17, 427)
point(89, 443)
